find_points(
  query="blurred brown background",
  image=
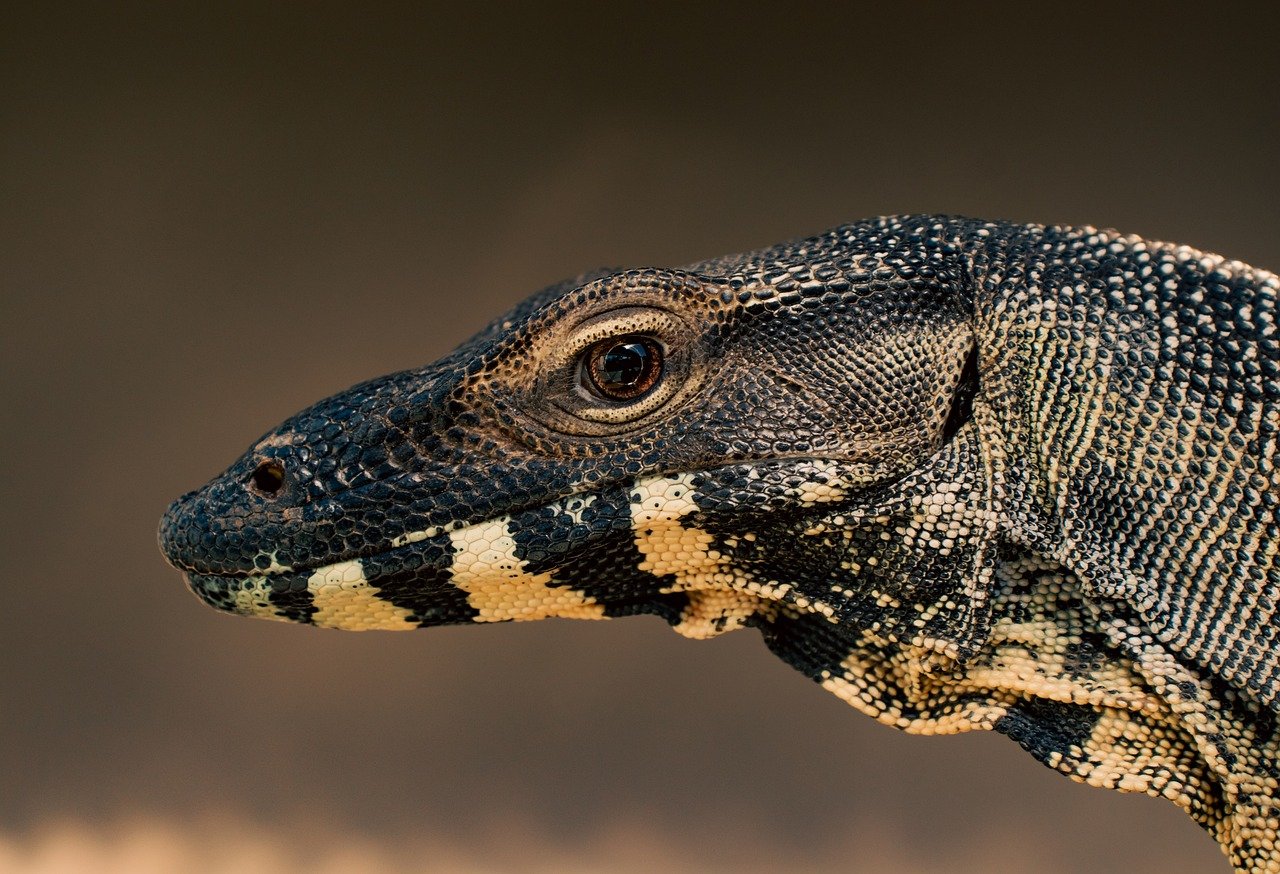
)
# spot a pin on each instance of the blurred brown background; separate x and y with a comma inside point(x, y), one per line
point(209, 218)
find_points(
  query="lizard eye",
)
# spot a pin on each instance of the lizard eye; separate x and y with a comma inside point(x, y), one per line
point(622, 368)
point(607, 373)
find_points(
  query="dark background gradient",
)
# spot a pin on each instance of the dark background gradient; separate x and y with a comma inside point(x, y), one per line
point(210, 218)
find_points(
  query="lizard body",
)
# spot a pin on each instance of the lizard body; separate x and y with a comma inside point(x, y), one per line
point(965, 475)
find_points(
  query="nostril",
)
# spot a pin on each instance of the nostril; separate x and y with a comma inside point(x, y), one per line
point(268, 478)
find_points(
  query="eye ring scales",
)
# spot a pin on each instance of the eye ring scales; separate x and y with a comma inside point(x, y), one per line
point(623, 368)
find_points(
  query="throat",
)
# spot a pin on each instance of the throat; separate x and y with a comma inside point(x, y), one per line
point(1074, 682)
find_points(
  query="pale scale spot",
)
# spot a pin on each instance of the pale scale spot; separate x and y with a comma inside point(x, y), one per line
point(415, 536)
point(274, 566)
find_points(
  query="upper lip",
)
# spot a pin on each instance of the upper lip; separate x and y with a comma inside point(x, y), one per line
point(194, 567)
point(532, 503)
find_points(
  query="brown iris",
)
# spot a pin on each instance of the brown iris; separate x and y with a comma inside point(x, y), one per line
point(624, 368)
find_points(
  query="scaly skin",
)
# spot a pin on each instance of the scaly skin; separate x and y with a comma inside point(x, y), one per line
point(965, 475)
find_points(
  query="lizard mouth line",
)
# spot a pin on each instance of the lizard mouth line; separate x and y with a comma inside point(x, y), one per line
point(853, 475)
point(503, 551)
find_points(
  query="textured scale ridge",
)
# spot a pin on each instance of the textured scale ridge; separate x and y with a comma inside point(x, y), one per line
point(965, 475)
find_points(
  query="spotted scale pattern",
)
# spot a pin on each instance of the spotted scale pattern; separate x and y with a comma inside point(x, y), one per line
point(965, 475)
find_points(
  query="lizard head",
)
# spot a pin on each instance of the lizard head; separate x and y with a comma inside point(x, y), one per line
point(711, 445)
point(795, 439)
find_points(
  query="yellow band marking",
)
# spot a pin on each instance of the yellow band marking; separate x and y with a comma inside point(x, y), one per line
point(485, 566)
point(344, 599)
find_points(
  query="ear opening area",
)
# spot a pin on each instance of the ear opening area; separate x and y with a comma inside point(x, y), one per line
point(962, 400)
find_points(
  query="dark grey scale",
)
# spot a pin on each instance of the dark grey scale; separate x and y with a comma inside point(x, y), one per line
point(596, 556)
point(1091, 652)
point(417, 577)
point(1045, 728)
point(291, 598)
point(809, 643)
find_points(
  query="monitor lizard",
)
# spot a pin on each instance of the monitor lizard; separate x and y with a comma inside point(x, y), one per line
point(963, 474)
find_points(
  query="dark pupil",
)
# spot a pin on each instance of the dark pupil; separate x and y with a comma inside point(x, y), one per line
point(624, 365)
